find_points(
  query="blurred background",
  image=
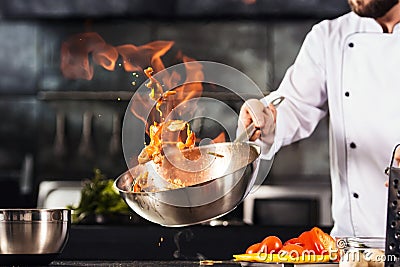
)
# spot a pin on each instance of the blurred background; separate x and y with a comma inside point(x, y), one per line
point(54, 128)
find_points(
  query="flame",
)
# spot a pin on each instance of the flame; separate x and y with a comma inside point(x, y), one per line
point(81, 52)
point(106, 56)
point(193, 73)
point(78, 50)
point(166, 101)
point(135, 58)
point(75, 54)
point(76, 64)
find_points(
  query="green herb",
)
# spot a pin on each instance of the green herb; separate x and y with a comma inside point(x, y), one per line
point(98, 196)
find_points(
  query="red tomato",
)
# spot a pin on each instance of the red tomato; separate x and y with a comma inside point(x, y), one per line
point(317, 240)
point(324, 243)
point(292, 250)
point(271, 244)
point(307, 241)
point(255, 248)
point(304, 235)
point(295, 241)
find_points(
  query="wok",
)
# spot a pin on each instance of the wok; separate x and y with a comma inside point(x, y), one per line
point(198, 165)
point(194, 185)
point(201, 202)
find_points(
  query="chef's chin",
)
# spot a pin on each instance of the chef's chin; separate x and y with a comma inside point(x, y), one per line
point(372, 8)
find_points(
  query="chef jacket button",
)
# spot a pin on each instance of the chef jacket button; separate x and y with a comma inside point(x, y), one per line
point(355, 195)
point(351, 45)
point(397, 235)
point(352, 145)
point(347, 94)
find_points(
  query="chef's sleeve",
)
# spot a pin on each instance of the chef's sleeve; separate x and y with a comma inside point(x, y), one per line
point(304, 89)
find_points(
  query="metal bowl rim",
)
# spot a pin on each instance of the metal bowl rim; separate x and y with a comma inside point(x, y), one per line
point(35, 215)
point(34, 209)
point(249, 143)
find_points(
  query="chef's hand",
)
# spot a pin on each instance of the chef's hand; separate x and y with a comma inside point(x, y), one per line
point(264, 118)
point(396, 161)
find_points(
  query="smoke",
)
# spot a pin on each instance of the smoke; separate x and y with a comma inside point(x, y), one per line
point(182, 240)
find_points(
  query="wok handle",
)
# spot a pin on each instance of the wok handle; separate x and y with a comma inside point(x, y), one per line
point(243, 137)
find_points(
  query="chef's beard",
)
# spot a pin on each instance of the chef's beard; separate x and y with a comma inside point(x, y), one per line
point(372, 9)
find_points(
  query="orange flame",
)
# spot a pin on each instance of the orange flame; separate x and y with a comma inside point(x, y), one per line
point(76, 51)
point(193, 73)
point(75, 55)
point(80, 52)
point(77, 64)
point(106, 56)
point(136, 58)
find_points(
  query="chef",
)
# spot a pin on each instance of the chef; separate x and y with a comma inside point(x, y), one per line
point(348, 67)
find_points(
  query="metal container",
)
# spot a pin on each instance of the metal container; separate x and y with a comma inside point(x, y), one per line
point(361, 251)
point(32, 236)
point(194, 204)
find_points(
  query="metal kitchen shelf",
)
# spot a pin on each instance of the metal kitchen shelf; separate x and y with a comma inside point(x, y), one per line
point(120, 95)
point(85, 95)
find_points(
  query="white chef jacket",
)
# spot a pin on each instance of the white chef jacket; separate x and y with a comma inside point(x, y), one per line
point(351, 69)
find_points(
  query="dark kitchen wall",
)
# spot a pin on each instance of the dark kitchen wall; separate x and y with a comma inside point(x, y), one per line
point(42, 114)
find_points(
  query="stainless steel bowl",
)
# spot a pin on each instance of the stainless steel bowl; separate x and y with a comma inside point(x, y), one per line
point(32, 235)
point(194, 204)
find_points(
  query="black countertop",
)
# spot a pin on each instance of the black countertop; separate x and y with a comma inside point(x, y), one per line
point(153, 242)
point(186, 264)
point(145, 263)
point(154, 245)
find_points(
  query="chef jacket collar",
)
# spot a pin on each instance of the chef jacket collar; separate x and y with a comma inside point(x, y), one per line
point(371, 25)
point(396, 28)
